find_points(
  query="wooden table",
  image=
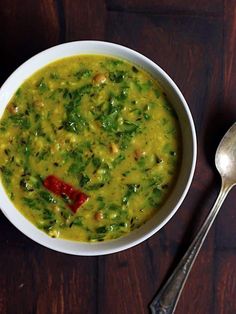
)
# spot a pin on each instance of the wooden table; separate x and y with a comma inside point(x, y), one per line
point(195, 42)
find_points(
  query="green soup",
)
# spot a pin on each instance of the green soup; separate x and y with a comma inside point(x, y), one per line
point(104, 127)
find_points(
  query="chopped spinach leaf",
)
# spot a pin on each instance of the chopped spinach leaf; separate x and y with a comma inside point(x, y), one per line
point(42, 86)
point(131, 189)
point(31, 203)
point(20, 120)
point(96, 161)
point(6, 173)
point(143, 87)
point(74, 122)
point(78, 221)
point(109, 122)
point(85, 73)
point(102, 229)
point(95, 186)
point(46, 196)
point(118, 160)
point(84, 180)
point(48, 215)
point(117, 76)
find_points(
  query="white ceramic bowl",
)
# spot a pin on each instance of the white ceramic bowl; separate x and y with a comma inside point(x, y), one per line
point(188, 137)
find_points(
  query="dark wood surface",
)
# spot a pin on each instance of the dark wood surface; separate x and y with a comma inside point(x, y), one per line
point(195, 42)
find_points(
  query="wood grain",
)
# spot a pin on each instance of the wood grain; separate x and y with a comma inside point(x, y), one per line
point(26, 29)
point(204, 7)
point(38, 280)
point(229, 56)
point(195, 42)
point(225, 282)
point(84, 19)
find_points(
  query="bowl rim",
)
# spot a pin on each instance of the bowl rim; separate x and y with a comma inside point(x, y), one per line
point(173, 86)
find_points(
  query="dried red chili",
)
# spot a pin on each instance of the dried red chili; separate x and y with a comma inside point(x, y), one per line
point(59, 187)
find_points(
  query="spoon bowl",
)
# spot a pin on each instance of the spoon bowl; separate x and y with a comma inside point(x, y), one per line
point(225, 158)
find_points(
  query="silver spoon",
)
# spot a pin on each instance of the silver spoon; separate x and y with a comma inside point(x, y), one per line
point(225, 160)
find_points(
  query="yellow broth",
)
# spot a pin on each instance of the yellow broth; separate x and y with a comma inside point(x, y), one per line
point(102, 125)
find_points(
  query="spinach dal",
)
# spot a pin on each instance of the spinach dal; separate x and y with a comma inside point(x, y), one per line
point(90, 148)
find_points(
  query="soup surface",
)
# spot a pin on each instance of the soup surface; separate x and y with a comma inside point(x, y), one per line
point(89, 148)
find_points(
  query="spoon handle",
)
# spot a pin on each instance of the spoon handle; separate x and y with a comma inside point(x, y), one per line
point(166, 300)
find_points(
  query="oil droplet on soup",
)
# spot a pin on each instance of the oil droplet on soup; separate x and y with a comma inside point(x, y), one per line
point(104, 132)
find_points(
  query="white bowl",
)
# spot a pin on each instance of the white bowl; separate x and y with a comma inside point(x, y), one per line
point(188, 137)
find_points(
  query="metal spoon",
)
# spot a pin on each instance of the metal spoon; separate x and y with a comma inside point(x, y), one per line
point(225, 160)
